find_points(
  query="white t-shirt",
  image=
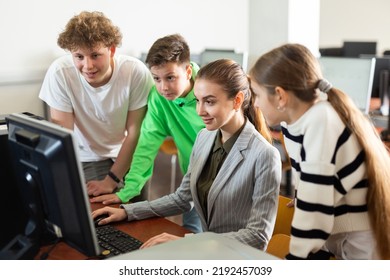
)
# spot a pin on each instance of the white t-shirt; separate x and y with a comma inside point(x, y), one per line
point(100, 113)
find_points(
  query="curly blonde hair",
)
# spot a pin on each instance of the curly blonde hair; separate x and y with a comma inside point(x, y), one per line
point(89, 30)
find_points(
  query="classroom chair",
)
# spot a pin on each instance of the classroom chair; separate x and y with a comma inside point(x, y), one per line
point(279, 245)
point(169, 147)
point(283, 217)
point(280, 241)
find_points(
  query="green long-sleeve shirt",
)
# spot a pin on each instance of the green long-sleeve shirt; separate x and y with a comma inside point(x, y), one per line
point(176, 118)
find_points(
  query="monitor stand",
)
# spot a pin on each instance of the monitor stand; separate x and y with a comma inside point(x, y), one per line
point(26, 246)
point(19, 248)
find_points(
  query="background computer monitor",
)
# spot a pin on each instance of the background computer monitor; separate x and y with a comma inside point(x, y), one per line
point(354, 76)
point(209, 55)
point(382, 64)
point(356, 49)
point(51, 181)
point(194, 57)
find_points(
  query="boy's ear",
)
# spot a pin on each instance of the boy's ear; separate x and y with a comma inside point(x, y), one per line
point(189, 71)
point(112, 50)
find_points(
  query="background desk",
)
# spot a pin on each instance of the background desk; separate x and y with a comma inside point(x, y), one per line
point(142, 230)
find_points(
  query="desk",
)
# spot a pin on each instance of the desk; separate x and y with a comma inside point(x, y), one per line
point(200, 246)
point(380, 122)
point(142, 230)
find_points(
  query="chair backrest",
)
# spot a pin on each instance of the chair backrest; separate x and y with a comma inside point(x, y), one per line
point(168, 146)
point(284, 216)
point(279, 245)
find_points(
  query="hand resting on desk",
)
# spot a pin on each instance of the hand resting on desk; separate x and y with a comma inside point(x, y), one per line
point(105, 186)
point(102, 191)
point(158, 239)
point(106, 199)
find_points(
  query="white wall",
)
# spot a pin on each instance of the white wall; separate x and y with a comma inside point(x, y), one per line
point(29, 30)
point(304, 15)
point(273, 23)
point(268, 26)
point(354, 20)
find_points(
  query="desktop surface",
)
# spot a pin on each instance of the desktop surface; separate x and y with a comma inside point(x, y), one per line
point(142, 230)
point(200, 246)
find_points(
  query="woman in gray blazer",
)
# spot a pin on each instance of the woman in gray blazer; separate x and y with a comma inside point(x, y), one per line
point(234, 174)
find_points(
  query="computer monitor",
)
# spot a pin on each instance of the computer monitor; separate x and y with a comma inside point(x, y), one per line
point(209, 55)
point(356, 48)
point(51, 181)
point(354, 76)
point(332, 51)
point(13, 217)
point(382, 64)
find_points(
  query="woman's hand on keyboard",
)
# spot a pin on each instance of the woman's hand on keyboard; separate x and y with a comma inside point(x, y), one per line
point(158, 239)
point(114, 214)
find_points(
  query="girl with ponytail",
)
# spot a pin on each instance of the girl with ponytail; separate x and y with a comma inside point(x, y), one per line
point(342, 169)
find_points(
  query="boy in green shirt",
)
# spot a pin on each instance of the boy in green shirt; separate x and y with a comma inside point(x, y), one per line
point(171, 112)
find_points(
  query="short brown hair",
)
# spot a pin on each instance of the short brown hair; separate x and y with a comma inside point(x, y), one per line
point(88, 30)
point(171, 48)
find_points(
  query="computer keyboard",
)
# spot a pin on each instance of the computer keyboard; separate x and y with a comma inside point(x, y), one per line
point(115, 242)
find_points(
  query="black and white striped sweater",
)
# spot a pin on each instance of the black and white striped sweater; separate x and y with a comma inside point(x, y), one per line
point(331, 185)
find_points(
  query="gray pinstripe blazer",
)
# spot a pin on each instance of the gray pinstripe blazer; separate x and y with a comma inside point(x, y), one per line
point(242, 201)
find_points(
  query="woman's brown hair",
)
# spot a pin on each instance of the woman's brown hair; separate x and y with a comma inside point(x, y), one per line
point(232, 78)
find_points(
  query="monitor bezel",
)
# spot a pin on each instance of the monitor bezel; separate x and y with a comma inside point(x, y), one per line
point(210, 55)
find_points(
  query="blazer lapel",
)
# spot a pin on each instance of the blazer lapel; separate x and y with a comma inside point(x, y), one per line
point(230, 164)
point(203, 149)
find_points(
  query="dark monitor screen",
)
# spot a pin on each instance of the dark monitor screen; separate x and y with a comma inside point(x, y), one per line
point(356, 49)
point(51, 181)
point(14, 218)
point(381, 64)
